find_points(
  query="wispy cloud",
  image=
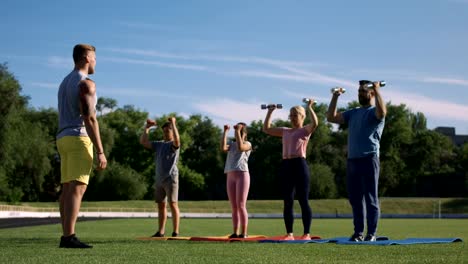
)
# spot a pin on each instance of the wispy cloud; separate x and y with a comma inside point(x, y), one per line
point(157, 63)
point(296, 71)
point(218, 58)
point(413, 76)
point(318, 77)
point(147, 26)
point(53, 86)
point(151, 53)
point(445, 81)
point(304, 94)
point(141, 93)
point(222, 109)
point(60, 62)
point(459, 1)
point(289, 72)
point(429, 106)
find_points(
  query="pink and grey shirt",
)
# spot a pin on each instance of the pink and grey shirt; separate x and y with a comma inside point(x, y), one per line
point(295, 142)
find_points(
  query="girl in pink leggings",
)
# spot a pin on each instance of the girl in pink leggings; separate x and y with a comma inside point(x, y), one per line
point(238, 177)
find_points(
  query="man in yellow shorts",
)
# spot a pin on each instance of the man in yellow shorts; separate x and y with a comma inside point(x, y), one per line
point(78, 133)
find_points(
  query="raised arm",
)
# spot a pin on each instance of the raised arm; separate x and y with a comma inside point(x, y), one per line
point(272, 131)
point(88, 113)
point(144, 140)
point(241, 145)
point(380, 107)
point(175, 133)
point(313, 117)
point(223, 144)
point(332, 115)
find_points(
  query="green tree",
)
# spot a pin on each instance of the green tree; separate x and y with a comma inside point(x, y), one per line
point(25, 146)
point(265, 161)
point(203, 155)
point(117, 182)
point(124, 126)
point(432, 162)
point(104, 103)
point(322, 182)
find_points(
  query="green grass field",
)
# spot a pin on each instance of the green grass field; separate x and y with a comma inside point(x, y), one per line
point(324, 206)
point(114, 242)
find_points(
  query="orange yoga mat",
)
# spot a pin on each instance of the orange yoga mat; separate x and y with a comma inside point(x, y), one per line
point(163, 238)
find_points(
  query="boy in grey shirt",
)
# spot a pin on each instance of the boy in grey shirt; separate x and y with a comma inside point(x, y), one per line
point(167, 175)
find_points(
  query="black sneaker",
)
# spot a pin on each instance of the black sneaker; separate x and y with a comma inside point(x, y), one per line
point(370, 238)
point(234, 235)
point(72, 242)
point(356, 238)
point(158, 235)
point(242, 236)
point(174, 234)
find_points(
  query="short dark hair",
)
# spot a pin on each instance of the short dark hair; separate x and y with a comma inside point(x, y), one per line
point(244, 128)
point(363, 82)
point(167, 124)
point(80, 50)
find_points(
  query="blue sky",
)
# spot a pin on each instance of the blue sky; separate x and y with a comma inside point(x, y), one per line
point(222, 59)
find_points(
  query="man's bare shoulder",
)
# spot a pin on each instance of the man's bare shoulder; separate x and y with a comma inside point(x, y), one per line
point(87, 86)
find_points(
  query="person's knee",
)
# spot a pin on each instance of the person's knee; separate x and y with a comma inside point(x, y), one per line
point(288, 200)
point(174, 206)
point(161, 206)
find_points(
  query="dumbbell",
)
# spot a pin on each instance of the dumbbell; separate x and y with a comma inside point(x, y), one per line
point(306, 100)
point(371, 85)
point(278, 106)
point(336, 89)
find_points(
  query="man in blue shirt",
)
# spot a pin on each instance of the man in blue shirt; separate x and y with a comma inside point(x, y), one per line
point(365, 127)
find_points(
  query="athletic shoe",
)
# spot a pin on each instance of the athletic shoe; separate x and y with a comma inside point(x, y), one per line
point(305, 237)
point(356, 238)
point(234, 235)
point(288, 237)
point(370, 238)
point(72, 242)
point(174, 234)
point(158, 235)
point(242, 236)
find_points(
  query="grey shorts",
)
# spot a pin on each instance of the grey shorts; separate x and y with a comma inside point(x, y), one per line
point(167, 190)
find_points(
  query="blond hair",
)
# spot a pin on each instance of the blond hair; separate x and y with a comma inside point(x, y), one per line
point(81, 50)
point(299, 109)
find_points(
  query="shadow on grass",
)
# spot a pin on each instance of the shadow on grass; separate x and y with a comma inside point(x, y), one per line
point(20, 222)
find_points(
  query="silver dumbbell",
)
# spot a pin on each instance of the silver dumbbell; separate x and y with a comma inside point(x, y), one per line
point(306, 100)
point(278, 106)
point(336, 89)
point(371, 85)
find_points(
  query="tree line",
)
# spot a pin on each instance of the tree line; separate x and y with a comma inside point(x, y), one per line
point(415, 161)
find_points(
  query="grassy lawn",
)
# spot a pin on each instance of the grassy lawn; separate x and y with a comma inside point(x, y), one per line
point(325, 206)
point(114, 242)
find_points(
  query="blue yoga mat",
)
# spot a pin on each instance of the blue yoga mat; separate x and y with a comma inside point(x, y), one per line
point(407, 241)
point(318, 241)
point(382, 241)
point(294, 241)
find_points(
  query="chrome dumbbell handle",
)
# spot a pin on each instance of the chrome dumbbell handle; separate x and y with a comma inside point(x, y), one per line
point(371, 85)
point(336, 89)
point(306, 100)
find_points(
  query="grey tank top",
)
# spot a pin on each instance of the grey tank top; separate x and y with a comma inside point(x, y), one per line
point(237, 160)
point(70, 119)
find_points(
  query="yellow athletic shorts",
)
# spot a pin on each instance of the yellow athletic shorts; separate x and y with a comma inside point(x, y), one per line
point(76, 158)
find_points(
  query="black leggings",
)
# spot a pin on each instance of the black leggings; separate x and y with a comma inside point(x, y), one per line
point(295, 178)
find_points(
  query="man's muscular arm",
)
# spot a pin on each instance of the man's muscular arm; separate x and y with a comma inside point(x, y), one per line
point(88, 113)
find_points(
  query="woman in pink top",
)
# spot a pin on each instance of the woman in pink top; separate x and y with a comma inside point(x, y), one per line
point(294, 172)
